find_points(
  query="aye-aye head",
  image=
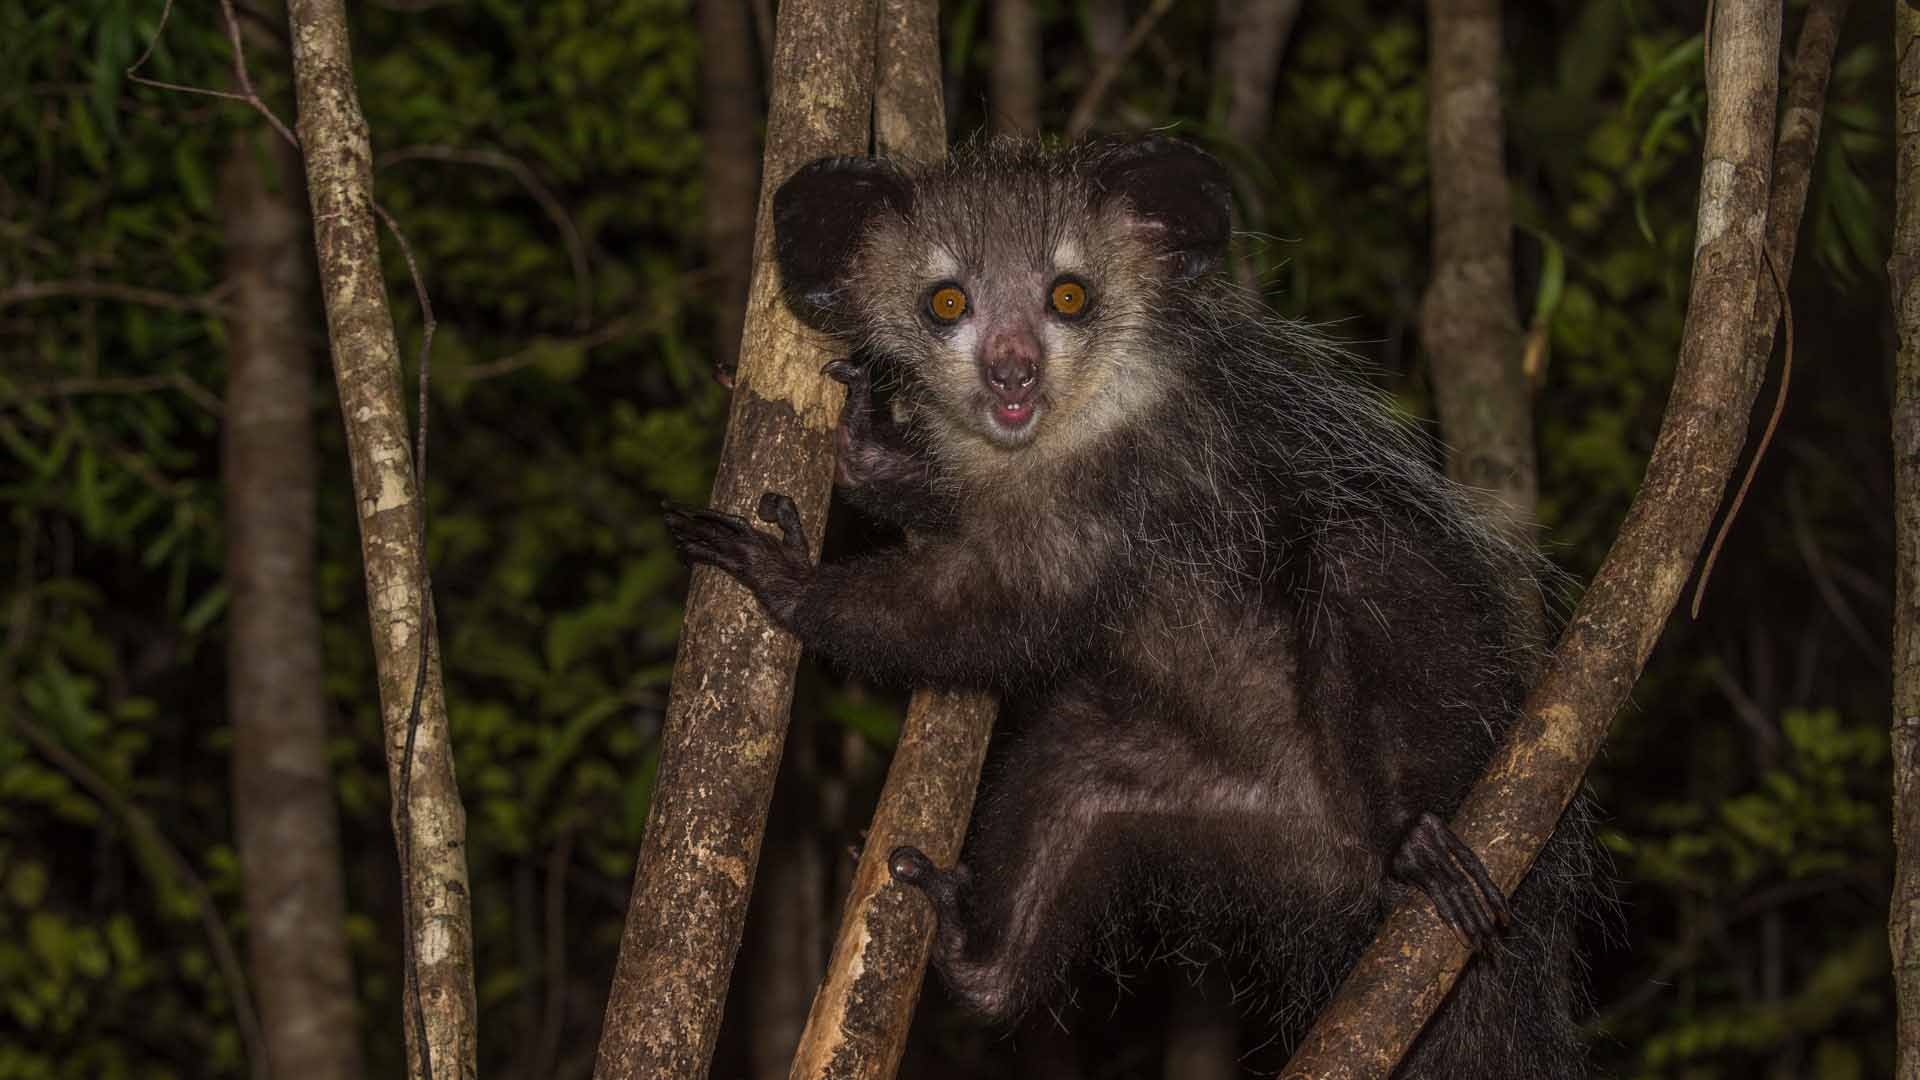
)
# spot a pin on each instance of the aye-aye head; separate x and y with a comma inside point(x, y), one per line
point(1015, 286)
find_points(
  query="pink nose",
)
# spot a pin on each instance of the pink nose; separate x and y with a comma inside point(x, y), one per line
point(1010, 362)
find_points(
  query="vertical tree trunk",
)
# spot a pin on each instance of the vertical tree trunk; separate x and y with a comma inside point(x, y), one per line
point(730, 101)
point(733, 679)
point(858, 1025)
point(366, 366)
point(1251, 36)
point(1013, 95)
point(1106, 31)
point(1903, 272)
point(284, 812)
point(1467, 320)
point(1413, 961)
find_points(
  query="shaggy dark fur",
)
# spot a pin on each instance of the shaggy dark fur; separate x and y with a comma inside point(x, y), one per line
point(1266, 647)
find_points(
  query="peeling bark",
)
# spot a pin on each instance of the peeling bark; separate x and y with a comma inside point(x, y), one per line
point(1903, 273)
point(286, 823)
point(1413, 961)
point(858, 1026)
point(366, 365)
point(730, 102)
point(733, 679)
point(1467, 320)
point(1013, 82)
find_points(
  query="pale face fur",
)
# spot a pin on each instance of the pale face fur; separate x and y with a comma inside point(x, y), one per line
point(1006, 244)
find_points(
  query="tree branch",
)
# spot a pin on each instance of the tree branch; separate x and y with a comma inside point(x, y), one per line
point(1467, 320)
point(726, 716)
point(1094, 97)
point(549, 204)
point(212, 303)
point(429, 821)
point(1412, 963)
point(857, 1027)
point(1903, 274)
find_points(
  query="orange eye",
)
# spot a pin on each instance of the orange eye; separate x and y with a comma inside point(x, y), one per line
point(947, 303)
point(1069, 298)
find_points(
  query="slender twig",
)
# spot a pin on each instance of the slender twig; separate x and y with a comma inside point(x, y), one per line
point(205, 303)
point(1823, 582)
point(403, 811)
point(138, 821)
point(247, 95)
point(131, 384)
point(1766, 437)
point(542, 194)
point(1087, 109)
point(532, 354)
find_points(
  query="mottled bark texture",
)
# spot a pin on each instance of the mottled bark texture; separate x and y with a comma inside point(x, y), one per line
point(860, 1017)
point(1903, 272)
point(1013, 80)
point(1467, 319)
point(285, 818)
point(1250, 37)
point(1414, 960)
point(733, 680)
point(366, 367)
point(859, 1022)
point(730, 104)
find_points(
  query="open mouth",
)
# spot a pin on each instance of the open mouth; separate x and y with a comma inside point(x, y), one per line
point(1013, 415)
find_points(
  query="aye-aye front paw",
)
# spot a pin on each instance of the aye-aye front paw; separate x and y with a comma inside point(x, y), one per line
point(776, 569)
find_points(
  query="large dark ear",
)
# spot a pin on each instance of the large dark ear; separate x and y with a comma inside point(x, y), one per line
point(819, 216)
point(1176, 190)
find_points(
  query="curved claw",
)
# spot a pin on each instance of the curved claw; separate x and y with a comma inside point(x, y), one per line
point(844, 371)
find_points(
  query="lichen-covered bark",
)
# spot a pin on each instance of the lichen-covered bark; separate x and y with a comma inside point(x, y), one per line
point(366, 366)
point(859, 1022)
point(1903, 272)
point(1467, 319)
point(730, 107)
point(285, 819)
point(1250, 37)
point(733, 679)
point(1013, 80)
point(1412, 963)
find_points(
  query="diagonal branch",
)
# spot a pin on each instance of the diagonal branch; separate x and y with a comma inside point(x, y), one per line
point(1413, 962)
point(1094, 97)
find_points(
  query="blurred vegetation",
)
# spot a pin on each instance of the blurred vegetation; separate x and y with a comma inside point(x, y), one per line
point(544, 160)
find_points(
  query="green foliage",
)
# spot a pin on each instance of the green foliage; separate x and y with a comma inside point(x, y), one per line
point(543, 160)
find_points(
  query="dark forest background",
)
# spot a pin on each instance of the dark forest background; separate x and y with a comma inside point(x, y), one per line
point(549, 164)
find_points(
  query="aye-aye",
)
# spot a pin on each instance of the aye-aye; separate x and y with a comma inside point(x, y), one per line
point(1264, 646)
